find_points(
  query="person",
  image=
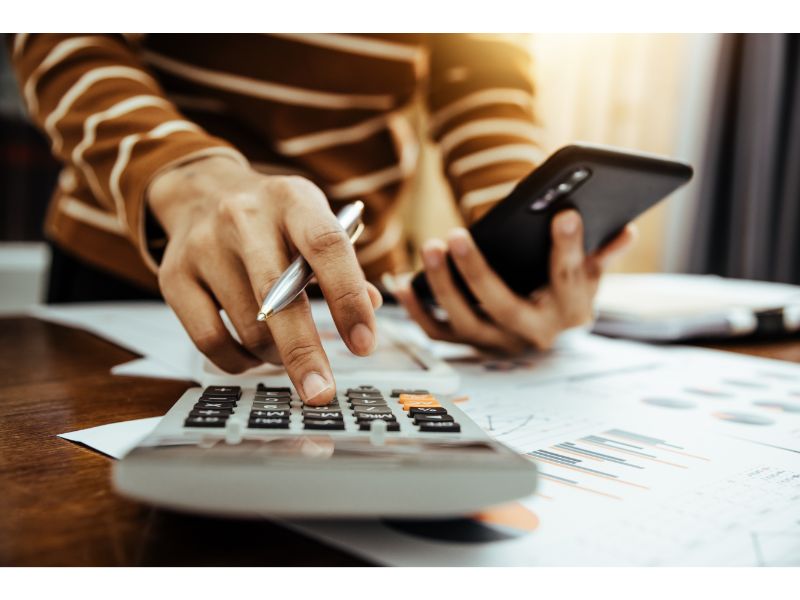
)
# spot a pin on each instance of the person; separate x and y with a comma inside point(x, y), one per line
point(198, 165)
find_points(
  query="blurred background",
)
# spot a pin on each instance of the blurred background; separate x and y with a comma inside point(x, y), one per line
point(727, 103)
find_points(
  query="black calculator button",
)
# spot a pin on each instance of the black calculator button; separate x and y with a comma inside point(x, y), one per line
point(333, 424)
point(205, 421)
point(210, 412)
point(418, 419)
point(268, 423)
point(432, 426)
point(326, 414)
point(364, 396)
point(371, 409)
point(232, 391)
point(426, 410)
point(217, 398)
point(263, 388)
point(368, 402)
point(270, 406)
point(396, 392)
point(368, 418)
point(206, 404)
point(390, 425)
point(270, 414)
point(386, 416)
point(273, 395)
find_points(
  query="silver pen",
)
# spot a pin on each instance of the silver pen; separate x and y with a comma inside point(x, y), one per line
point(295, 278)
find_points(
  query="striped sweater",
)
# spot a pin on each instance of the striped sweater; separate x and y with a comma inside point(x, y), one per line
point(119, 109)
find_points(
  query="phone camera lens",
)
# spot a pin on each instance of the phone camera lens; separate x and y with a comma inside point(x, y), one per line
point(564, 188)
point(540, 204)
point(579, 175)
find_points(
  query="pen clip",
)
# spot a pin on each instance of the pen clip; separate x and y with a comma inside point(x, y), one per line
point(357, 232)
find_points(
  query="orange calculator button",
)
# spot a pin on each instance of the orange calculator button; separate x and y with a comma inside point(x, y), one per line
point(421, 404)
point(406, 398)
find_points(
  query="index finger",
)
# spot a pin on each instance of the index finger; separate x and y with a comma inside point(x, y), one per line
point(322, 241)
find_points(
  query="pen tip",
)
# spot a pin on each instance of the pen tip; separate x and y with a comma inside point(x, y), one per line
point(263, 316)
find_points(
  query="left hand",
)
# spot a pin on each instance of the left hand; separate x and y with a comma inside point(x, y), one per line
point(514, 322)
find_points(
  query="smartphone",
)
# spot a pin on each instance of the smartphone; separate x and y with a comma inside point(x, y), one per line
point(609, 187)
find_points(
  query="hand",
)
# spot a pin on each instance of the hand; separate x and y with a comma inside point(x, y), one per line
point(513, 323)
point(232, 232)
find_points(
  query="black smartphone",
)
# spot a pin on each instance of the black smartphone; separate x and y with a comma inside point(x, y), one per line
point(609, 187)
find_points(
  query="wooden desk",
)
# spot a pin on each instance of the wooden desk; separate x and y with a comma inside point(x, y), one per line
point(56, 504)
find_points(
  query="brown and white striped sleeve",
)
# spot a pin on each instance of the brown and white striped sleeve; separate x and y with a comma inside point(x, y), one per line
point(108, 119)
point(480, 99)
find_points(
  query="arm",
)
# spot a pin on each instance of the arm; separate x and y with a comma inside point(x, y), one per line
point(231, 231)
point(481, 100)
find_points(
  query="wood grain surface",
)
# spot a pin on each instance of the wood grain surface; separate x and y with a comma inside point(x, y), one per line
point(56, 503)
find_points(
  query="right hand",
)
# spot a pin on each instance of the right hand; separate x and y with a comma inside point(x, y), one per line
point(232, 232)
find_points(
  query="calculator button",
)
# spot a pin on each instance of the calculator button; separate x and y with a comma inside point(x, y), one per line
point(270, 414)
point(233, 391)
point(418, 419)
point(371, 409)
point(335, 424)
point(404, 398)
point(270, 406)
point(205, 421)
point(210, 412)
point(268, 423)
point(368, 402)
point(273, 395)
point(206, 404)
point(263, 388)
point(426, 410)
point(327, 414)
point(216, 398)
point(440, 427)
point(422, 404)
point(398, 392)
point(390, 425)
point(366, 418)
point(364, 395)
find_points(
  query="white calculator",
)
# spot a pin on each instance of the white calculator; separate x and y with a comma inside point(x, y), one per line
point(372, 452)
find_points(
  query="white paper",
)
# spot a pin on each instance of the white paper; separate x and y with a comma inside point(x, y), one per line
point(693, 499)
point(114, 439)
point(659, 295)
point(748, 397)
point(144, 367)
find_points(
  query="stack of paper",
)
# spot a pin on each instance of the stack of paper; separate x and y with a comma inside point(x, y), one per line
point(667, 307)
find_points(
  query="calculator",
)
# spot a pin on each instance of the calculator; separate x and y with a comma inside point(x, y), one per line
point(371, 452)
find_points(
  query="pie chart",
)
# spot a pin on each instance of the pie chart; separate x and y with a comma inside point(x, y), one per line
point(779, 406)
point(744, 418)
point(669, 403)
point(500, 523)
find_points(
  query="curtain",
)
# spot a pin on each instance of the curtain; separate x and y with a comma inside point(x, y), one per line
point(748, 214)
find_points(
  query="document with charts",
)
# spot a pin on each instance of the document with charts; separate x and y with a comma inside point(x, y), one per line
point(617, 487)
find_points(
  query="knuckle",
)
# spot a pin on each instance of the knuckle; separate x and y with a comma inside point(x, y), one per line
point(232, 207)
point(300, 354)
point(256, 341)
point(211, 342)
point(326, 239)
point(293, 188)
point(348, 297)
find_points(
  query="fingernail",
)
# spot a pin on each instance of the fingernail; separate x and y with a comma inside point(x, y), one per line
point(459, 245)
point(568, 223)
point(313, 385)
point(389, 282)
point(362, 339)
point(431, 256)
